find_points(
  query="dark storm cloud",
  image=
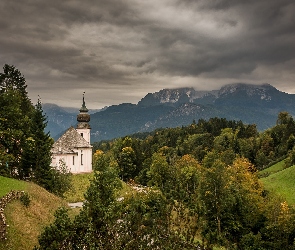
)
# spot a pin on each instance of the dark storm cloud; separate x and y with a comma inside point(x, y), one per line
point(264, 35)
point(119, 50)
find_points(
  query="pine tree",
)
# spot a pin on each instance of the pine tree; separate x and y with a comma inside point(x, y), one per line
point(40, 153)
point(11, 78)
point(15, 126)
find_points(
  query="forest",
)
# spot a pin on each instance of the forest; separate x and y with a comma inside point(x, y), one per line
point(197, 187)
point(192, 187)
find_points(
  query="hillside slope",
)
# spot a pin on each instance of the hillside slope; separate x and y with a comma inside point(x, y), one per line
point(26, 223)
point(7, 184)
point(282, 183)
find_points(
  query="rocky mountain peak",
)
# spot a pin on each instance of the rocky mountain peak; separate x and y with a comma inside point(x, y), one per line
point(175, 96)
point(263, 91)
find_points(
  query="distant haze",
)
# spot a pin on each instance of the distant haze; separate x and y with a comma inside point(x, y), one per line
point(118, 51)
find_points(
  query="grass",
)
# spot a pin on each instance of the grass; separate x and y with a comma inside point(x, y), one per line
point(26, 223)
point(272, 169)
point(8, 184)
point(126, 190)
point(282, 183)
point(80, 184)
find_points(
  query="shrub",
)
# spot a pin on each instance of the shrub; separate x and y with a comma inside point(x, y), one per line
point(25, 199)
point(61, 181)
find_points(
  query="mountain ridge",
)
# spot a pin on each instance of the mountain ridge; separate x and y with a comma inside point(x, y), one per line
point(250, 103)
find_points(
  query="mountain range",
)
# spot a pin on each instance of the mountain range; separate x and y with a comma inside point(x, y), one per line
point(252, 104)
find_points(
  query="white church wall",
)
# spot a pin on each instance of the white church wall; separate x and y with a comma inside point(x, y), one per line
point(81, 162)
point(66, 158)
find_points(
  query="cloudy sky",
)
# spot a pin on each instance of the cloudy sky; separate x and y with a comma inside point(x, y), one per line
point(118, 51)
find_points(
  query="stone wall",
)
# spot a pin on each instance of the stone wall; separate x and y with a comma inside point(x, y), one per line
point(12, 195)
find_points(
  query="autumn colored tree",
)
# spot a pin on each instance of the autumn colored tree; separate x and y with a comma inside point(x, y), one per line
point(231, 196)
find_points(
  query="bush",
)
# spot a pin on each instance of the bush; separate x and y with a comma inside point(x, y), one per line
point(61, 179)
point(25, 199)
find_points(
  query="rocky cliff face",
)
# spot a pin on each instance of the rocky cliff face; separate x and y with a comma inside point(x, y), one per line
point(190, 95)
point(176, 96)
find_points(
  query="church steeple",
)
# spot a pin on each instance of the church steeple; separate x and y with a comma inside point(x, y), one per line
point(83, 108)
point(83, 119)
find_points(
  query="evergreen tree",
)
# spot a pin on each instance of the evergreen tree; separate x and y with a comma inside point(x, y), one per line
point(11, 78)
point(37, 155)
point(15, 112)
point(24, 146)
point(58, 234)
point(43, 145)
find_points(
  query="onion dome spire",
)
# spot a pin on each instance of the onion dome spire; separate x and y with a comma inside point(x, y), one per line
point(83, 108)
point(83, 117)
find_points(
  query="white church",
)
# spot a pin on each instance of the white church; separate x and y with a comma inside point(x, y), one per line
point(73, 147)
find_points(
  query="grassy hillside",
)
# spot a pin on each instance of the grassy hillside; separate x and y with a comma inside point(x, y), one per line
point(26, 223)
point(7, 184)
point(80, 183)
point(281, 182)
point(272, 169)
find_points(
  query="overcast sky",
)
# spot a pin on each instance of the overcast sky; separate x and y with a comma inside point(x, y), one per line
point(118, 51)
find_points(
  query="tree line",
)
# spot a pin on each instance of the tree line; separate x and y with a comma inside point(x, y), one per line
point(24, 146)
point(229, 139)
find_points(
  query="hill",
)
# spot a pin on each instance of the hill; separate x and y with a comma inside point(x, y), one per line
point(279, 166)
point(252, 104)
point(26, 223)
point(8, 184)
point(282, 183)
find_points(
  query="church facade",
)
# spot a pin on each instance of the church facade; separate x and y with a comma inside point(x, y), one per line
point(73, 147)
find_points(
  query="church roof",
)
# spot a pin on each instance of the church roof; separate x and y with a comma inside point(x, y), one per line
point(68, 141)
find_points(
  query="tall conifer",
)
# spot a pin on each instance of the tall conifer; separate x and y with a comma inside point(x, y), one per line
point(15, 112)
point(41, 151)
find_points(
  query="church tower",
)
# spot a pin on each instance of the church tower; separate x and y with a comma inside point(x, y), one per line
point(83, 127)
point(73, 147)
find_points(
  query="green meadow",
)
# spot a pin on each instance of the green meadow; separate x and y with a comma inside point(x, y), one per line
point(280, 181)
